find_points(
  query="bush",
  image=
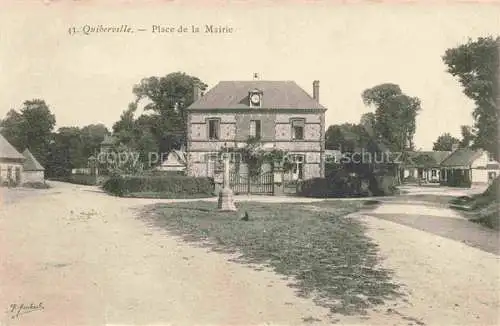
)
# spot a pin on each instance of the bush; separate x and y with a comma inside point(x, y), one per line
point(175, 184)
point(383, 185)
point(344, 184)
point(163, 173)
point(483, 208)
point(338, 186)
point(36, 185)
point(82, 179)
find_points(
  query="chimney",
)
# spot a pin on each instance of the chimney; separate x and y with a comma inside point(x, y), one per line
point(196, 92)
point(454, 147)
point(316, 90)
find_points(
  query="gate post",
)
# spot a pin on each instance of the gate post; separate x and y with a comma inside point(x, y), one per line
point(277, 175)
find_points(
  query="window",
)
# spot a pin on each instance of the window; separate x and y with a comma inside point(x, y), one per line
point(491, 157)
point(297, 166)
point(434, 173)
point(255, 128)
point(212, 162)
point(213, 128)
point(492, 176)
point(9, 173)
point(298, 129)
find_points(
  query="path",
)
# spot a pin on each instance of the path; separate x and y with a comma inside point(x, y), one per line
point(449, 265)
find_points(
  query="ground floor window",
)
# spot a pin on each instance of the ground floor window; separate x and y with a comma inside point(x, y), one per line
point(297, 161)
point(212, 164)
point(434, 173)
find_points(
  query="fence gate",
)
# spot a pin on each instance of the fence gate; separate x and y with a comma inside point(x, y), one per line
point(245, 184)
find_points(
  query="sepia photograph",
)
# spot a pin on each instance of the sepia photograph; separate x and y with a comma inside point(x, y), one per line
point(228, 163)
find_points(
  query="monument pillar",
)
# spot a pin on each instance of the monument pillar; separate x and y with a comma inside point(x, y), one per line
point(226, 199)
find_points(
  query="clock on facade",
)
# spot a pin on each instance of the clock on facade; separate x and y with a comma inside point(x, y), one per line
point(255, 98)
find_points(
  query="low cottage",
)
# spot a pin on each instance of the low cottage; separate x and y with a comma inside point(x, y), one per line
point(424, 166)
point(465, 167)
point(11, 163)
point(33, 171)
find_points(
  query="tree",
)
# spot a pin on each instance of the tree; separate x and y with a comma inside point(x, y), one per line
point(368, 121)
point(347, 137)
point(92, 137)
point(476, 66)
point(13, 129)
point(31, 128)
point(167, 97)
point(395, 115)
point(467, 136)
point(163, 125)
point(445, 142)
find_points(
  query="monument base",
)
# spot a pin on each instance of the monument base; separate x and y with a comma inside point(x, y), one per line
point(226, 200)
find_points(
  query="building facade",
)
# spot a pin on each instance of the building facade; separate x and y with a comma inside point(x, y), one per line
point(280, 114)
point(467, 166)
point(33, 170)
point(11, 164)
point(424, 166)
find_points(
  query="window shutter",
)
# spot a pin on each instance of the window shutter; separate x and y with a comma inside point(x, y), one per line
point(253, 128)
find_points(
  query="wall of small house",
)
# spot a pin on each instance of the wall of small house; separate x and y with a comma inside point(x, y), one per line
point(4, 166)
point(33, 176)
point(479, 176)
point(481, 161)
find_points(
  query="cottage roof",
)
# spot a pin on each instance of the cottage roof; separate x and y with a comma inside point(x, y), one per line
point(31, 163)
point(8, 151)
point(462, 157)
point(427, 158)
point(276, 95)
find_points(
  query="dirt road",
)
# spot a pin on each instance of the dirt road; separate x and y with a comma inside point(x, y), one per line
point(79, 257)
point(89, 262)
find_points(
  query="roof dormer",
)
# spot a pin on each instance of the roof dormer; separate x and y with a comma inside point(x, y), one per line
point(255, 98)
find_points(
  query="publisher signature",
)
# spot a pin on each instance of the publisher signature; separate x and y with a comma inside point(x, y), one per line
point(18, 309)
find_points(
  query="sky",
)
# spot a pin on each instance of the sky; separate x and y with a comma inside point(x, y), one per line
point(88, 79)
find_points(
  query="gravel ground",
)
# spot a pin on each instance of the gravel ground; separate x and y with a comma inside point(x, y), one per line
point(86, 258)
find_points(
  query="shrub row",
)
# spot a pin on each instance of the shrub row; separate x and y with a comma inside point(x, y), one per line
point(80, 179)
point(341, 185)
point(36, 185)
point(123, 185)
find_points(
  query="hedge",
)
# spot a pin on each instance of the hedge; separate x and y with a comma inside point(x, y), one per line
point(36, 185)
point(344, 185)
point(176, 185)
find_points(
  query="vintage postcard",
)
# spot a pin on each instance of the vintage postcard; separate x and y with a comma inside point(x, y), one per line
point(249, 163)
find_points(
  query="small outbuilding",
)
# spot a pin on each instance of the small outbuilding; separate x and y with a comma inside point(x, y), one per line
point(11, 163)
point(33, 171)
point(468, 166)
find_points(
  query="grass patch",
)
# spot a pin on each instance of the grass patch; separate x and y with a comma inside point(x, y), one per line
point(482, 208)
point(324, 251)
